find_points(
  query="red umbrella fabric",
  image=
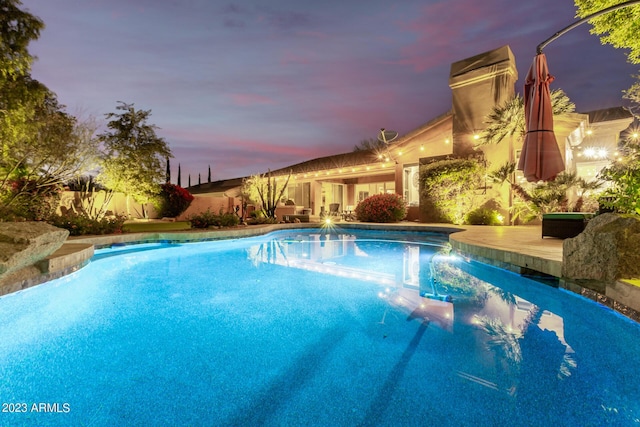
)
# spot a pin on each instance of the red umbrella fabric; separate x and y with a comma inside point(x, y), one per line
point(540, 159)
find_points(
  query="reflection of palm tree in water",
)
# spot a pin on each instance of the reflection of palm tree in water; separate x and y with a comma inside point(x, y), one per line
point(533, 355)
point(540, 373)
point(507, 354)
point(504, 295)
point(542, 350)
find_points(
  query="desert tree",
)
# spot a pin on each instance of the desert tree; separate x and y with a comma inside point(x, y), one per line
point(52, 148)
point(133, 157)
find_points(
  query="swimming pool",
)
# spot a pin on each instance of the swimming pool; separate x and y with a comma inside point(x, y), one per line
point(311, 327)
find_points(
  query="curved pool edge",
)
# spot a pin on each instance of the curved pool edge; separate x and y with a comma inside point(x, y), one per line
point(76, 252)
point(70, 257)
point(522, 250)
point(519, 249)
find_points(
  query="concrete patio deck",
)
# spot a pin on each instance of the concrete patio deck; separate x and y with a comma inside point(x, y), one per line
point(519, 246)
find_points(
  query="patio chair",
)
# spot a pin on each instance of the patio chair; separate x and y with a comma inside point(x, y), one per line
point(348, 214)
point(334, 209)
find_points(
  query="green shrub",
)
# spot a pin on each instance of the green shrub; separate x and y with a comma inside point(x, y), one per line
point(173, 200)
point(203, 219)
point(259, 216)
point(623, 175)
point(228, 220)
point(261, 219)
point(449, 189)
point(80, 225)
point(483, 216)
point(381, 208)
point(208, 219)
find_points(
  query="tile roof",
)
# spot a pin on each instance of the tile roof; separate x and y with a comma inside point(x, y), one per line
point(609, 114)
point(336, 161)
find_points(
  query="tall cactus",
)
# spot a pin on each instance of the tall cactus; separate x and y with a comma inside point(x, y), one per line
point(264, 189)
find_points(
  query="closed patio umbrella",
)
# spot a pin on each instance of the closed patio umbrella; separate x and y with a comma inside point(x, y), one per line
point(540, 159)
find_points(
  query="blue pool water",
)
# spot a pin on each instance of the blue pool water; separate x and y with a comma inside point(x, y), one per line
point(306, 327)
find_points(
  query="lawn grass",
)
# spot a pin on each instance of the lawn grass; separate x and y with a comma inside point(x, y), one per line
point(139, 227)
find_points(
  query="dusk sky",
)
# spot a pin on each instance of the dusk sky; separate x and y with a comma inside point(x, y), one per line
point(257, 85)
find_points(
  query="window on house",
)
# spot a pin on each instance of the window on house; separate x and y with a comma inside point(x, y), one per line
point(300, 193)
point(365, 190)
point(410, 185)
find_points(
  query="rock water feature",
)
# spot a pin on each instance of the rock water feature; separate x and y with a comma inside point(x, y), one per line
point(603, 263)
point(607, 250)
point(23, 245)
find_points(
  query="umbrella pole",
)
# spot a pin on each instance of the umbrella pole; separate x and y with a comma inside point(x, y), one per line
point(582, 21)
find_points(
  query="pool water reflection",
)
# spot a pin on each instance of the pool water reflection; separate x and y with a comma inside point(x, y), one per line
point(309, 327)
point(423, 284)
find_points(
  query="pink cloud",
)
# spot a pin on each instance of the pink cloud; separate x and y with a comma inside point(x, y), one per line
point(433, 29)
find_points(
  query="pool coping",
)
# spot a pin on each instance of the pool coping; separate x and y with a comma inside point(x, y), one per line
point(533, 255)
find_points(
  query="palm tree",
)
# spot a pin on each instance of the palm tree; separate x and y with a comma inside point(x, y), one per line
point(584, 188)
point(546, 197)
point(506, 173)
point(508, 119)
